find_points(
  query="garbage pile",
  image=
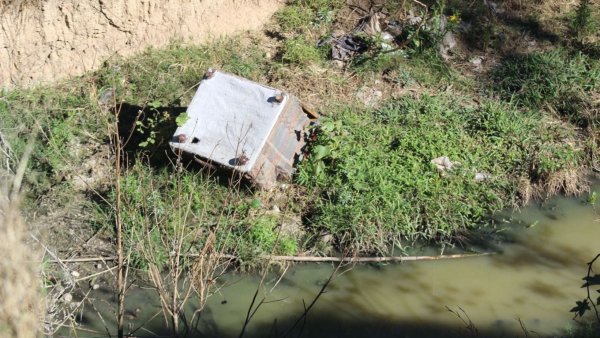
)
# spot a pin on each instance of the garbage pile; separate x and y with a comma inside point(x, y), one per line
point(376, 31)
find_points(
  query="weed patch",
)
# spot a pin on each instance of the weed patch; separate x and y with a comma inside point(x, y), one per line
point(299, 51)
point(66, 120)
point(159, 204)
point(554, 80)
point(379, 187)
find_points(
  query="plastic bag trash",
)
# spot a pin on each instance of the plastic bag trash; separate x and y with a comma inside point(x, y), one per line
point(482, 177)
point(346, 47)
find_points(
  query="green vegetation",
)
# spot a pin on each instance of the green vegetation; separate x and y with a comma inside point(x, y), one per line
point(380, 186)
point(522, 126)
point(160, 205)
point(584, 23)
point(301, 52)
point(300, 16)
point(67, 121)
point(369, 181)
point(553, 79)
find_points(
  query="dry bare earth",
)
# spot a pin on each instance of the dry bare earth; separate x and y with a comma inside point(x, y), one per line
point(42, 41)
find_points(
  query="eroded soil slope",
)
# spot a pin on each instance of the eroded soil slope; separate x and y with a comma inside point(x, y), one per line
point(47, 40)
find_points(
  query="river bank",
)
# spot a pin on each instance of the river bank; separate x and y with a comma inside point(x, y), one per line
point(416, 145)
point(528, 286)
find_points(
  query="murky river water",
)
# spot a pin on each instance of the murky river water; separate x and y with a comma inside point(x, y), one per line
point(531, 284)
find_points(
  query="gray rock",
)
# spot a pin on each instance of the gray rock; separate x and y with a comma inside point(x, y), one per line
point(446, 45)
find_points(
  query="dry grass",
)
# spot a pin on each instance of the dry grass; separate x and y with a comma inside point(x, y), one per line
point(19, 289)
point(571, 182)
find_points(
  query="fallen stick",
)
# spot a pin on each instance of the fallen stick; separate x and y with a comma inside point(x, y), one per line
point(374, 259)
point(83, 259)
point(313, 258)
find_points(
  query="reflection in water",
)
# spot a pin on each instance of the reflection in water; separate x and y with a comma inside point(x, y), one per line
point(536, 279)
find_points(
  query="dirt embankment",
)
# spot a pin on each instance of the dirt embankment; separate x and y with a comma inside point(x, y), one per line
point(42, 41)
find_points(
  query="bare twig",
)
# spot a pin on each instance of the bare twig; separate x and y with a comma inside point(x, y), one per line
point(121, 282)
point(319, 259)
point(95, 274)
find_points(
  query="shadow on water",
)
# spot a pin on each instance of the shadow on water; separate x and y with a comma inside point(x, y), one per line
point(535, 280)
point(329, 325)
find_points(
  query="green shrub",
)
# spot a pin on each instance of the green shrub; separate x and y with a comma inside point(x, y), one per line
point(65, 119)
point(264, 237)
point(295, 18)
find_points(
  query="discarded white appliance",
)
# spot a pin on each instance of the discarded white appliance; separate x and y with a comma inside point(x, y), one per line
point(236, 123)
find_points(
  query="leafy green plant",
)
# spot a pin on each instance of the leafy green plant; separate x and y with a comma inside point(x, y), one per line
point(157, 205)
point(591, 302)
point(150, 124)
point(295, 18)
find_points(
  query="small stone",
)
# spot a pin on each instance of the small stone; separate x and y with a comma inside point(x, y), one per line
point(95, 287)
point(448, 42)
point(67, 298)
point(75, 274)
point(99, 266)
point(106, 99)
point(476, 62)
point(275, 209)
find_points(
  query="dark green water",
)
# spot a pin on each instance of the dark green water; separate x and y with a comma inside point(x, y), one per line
point(534, 281)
